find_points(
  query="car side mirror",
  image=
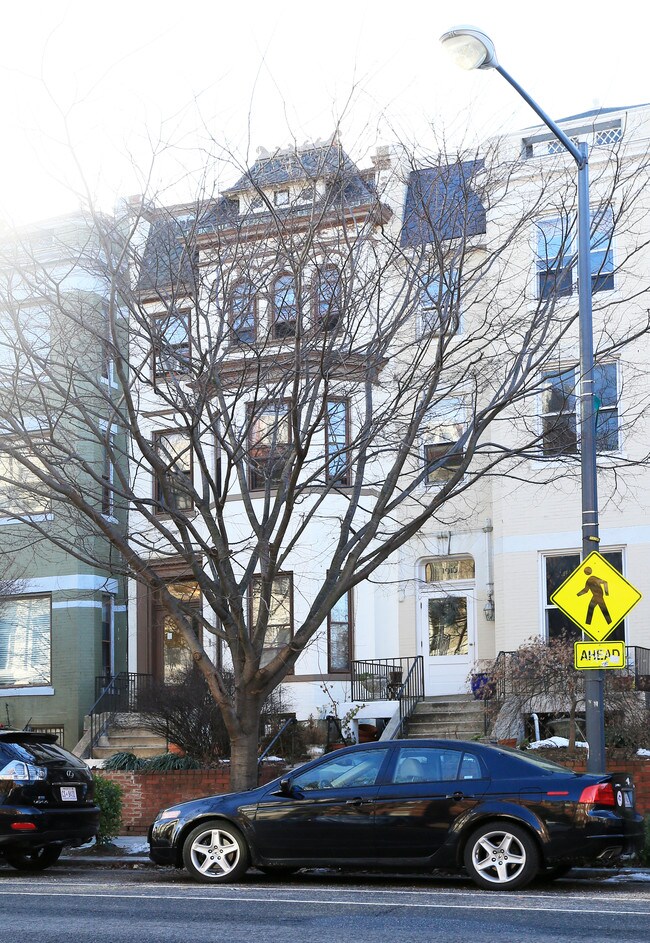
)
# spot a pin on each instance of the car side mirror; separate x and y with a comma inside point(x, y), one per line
point(286, 788)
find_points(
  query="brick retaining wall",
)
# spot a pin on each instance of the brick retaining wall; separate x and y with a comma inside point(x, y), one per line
point(144, 794)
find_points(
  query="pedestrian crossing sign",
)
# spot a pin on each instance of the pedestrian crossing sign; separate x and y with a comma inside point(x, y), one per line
point(596, 597)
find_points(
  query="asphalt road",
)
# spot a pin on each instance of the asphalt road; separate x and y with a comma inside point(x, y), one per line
point(120, 906)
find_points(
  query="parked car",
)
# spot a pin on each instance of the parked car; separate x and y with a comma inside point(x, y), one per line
point(46, 800)
point(502, 815)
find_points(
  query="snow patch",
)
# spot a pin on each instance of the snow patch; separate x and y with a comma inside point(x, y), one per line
point(556, 742)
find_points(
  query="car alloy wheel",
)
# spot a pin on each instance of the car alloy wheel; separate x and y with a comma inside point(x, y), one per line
point(215, 852)
point(37, 860)
point(501, 857)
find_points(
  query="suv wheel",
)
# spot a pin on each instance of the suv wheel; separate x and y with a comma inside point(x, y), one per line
point(501, 856)
point(216, 853)
point(37, 860)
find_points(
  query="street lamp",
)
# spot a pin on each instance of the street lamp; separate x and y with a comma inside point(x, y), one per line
point(472, 49)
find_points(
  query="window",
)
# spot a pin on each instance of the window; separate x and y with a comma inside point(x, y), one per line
point(434, 765)
point(608, 137)
point(279, 629)
point(557, 570)
point(108, 497)
point(353, 770)
point(175, 657)
point(438, 305)
point(285, 306)
point(281, 197)
point(173, 490)
point(242, 313)
point(172, 342)
point(107, 636)
point(442, 455)
point(336, 442)
point(556, 255)
point(269, 439)
point(448, 626)
point(328, 297)
point(22, 494)
point(25, 641)
point(339, 635)
point(559, 420)
point(601, 252)
point(554, 258)
point(449, 568)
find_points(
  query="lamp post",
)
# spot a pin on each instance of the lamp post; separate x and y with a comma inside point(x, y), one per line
point(472, 49)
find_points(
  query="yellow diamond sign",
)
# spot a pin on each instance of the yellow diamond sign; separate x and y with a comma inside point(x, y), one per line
point(596, 597)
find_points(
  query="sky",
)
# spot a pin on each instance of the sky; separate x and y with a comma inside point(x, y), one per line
point(102, 101)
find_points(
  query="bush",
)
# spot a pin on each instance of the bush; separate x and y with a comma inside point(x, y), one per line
point(168, 761)
point(124, 762)
point(108, 796)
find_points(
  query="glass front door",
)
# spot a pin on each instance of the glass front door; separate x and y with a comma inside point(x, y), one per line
point(447, 641)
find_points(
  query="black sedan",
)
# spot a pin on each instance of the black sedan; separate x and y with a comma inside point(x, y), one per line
point(502, 815)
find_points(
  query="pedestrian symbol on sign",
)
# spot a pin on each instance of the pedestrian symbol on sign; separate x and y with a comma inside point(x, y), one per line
point(598, 589)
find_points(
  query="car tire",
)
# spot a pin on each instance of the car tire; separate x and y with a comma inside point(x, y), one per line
point(215, 852)
point(37, 860)
point(501, 856)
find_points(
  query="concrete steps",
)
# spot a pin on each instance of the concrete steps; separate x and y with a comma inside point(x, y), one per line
point(452, 717)
point(130, 739)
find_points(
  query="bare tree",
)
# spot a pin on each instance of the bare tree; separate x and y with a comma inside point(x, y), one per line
point(285, 382)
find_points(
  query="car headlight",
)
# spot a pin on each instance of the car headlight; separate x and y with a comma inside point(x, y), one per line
point(168, 814)
point(17, 771)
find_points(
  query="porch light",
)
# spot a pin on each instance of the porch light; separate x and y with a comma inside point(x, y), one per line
point(488, 609)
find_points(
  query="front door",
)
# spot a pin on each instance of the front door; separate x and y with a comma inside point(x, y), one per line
point(447, 640)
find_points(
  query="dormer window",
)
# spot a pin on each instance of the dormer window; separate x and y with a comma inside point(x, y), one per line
point(281, 197)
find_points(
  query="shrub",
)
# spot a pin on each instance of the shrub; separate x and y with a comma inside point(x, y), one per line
point(123, 762)
point(169, 761)
point(108, 796)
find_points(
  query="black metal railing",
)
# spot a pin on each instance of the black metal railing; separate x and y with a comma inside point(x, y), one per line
point(125, 693)
point(638, 665)
point(410, 694)
point(379, 679)
point(289, 722)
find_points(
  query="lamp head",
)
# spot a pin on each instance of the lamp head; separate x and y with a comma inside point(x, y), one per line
point(470, 48)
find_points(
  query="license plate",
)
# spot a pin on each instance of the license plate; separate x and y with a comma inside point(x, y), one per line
point(624, 799)
point(68, 794)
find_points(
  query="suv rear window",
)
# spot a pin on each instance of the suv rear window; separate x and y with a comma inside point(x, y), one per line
point(38, 753)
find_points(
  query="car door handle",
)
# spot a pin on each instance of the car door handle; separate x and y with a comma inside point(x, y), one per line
point(457, 796)
point(357, 801)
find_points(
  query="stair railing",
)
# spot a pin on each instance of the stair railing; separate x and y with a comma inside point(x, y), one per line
point(120, 695)
point(410, 694)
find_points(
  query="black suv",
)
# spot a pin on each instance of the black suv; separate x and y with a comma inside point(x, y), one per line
point(46, 800)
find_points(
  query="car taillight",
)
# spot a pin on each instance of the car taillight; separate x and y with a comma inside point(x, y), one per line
point(23, 826)
point(598, 794)
point(21, 772)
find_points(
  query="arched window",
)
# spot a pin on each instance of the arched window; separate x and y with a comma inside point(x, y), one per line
point(285, 306)
point(242, 313)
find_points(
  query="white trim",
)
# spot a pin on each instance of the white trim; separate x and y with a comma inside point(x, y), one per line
point(77, 604)
point(77, 583)
point(28, 518)
point(26, 692)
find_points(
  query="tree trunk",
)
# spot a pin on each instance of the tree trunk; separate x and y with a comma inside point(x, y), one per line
point(243, 761)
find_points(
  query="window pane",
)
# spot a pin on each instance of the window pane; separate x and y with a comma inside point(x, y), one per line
point(339, 655)
point(448, 626)
point(25, 640)
point(329, 296)
point(269, 439)
point(448, 569)
point(559, 413)
point(279, 628)
point(175, 448)
point(433, 764)
point(243, 312)
point(352, 769)
point(441, 466)
point(285, 305)
point(21, 492)
point(337, 440)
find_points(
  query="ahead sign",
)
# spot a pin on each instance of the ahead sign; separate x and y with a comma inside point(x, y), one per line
point(599, 655)
point(596, 597)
